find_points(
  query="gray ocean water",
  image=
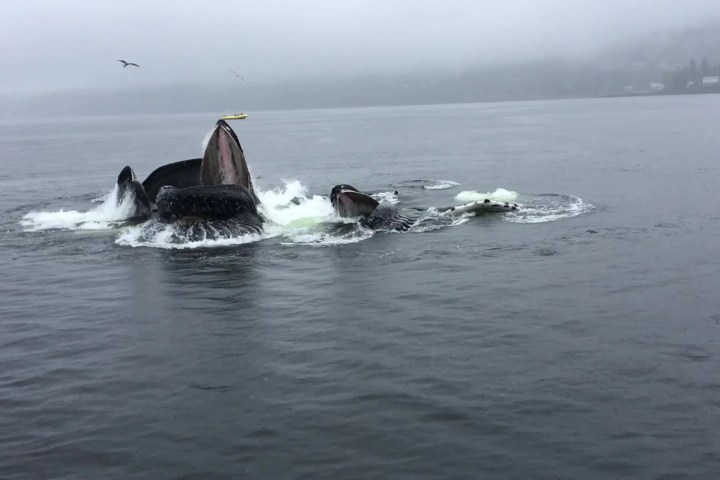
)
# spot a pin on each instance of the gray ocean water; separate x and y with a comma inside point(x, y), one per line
point(578, 347)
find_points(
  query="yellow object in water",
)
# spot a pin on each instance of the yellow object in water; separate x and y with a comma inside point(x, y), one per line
point(237, 116)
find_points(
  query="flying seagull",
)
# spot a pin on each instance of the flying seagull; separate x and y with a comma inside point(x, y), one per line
point(237, 74)
point(125, 64)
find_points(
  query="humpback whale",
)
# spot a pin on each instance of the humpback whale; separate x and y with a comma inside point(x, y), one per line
point(130, 189)
point(216, 187)
point(214, 196)
point(349, 202)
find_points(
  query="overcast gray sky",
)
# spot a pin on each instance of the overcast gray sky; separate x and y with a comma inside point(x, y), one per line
point(61, 44)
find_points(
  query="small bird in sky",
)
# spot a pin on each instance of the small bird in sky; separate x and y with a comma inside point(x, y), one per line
point(237, 74)
point(125, 64)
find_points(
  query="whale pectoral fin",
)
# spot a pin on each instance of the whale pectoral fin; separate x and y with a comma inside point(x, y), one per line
point(130, 193)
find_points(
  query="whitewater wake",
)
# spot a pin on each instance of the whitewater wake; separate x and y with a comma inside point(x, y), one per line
point(549, 208)
point(292, 215)
point(108, 215)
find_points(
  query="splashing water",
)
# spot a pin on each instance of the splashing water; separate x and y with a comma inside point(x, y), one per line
point(291, 214)
point(549, 208)
point(108, 215)
point(390, 198)
point(533, 208)
point(308, 220)
point(499, 195)
point(291, 207)
point(434, 219)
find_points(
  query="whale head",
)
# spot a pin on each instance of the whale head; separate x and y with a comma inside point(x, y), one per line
point(348, 201)
point(130, 190)
point(224, 162)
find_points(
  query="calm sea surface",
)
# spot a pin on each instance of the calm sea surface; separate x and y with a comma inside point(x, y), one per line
point(579, 343)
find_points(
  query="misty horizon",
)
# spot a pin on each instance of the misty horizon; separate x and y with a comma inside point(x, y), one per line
point(71, 45)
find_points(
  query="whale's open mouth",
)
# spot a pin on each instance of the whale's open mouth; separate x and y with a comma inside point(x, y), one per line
point(224, 161)
point(227, 168)
point(349, 202)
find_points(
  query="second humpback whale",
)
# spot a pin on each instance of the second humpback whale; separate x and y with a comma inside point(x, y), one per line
point(349, 202)
point(215, 187)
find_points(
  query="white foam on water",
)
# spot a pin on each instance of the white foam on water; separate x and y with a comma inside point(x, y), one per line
point(390, 198)
point(290, 206)
point(105, 216)
point(323, 239)
point(302, 219)
point(499, 195)
point(550, 209)
point(167, 238)
point(433, 219)
point(440, 185)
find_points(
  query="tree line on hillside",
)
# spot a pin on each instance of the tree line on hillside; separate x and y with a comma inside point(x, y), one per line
point(689, 77)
